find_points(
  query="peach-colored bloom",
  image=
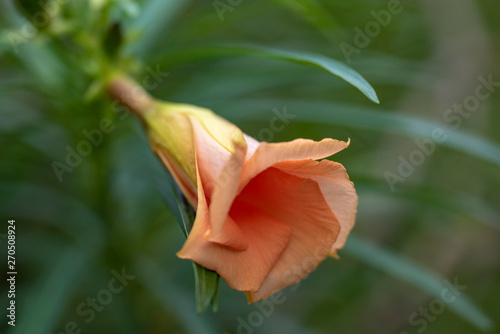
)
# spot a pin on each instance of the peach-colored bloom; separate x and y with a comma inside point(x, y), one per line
point(267, 213)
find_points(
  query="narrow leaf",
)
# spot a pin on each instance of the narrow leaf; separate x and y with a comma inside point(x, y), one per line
point(330, 65)
point(330, 113)
point(306, 58)
point(207, 288)
point(423, 279)
point(206, 281)
point(51, 295)
point(152, 23)
point(315, 13)
point(172, 297)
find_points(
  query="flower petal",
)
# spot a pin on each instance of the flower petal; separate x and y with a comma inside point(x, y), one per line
point(219, 172)
point(185, 184)
point(335, 185)
point(223, 230)
point(242, 270)
point(211, 157)
point(252, 145)
point(299, 203)
point(267, 154)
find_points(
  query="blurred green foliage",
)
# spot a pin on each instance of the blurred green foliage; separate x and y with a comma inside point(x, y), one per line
point(107, 211)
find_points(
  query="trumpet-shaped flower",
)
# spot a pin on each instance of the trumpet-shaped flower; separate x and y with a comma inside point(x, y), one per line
point(266, 213)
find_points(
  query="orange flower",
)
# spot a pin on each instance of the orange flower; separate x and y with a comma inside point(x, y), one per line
point(267, 213)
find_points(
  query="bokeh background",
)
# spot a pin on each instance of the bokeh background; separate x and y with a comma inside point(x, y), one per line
point(110, 213)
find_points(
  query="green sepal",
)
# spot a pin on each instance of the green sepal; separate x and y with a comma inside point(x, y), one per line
point(206, 281)
point(207, 288)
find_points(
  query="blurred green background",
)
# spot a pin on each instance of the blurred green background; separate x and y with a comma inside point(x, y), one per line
point(107, 213)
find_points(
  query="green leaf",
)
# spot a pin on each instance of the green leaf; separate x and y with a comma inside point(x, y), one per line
point(50, 296)
point(172, 297)
point(385, 71)
point(330, 113)
point(206, 281)
point(4, 42)
point(315, 13)
point(207, 288)
point(155, 17)
point(422, 278)
point(188, 215)
point(31, 8)
point(465, 204)
point(306, 58)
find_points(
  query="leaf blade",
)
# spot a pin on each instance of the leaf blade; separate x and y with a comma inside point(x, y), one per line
point(206, 281)
point(417, 276)
point(172, 297)
point(156, 16)
point(331, 113)
point(330, 65)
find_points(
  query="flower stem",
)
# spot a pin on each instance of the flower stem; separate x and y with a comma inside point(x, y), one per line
point(130, 94)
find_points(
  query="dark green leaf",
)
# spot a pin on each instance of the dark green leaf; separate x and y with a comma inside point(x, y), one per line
point(50, 296)
point(172, 297)
point(151, 24)
point(330, 65)
point(206, 281)
point(315, 13)
point(331, 113)
point(207, 288)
